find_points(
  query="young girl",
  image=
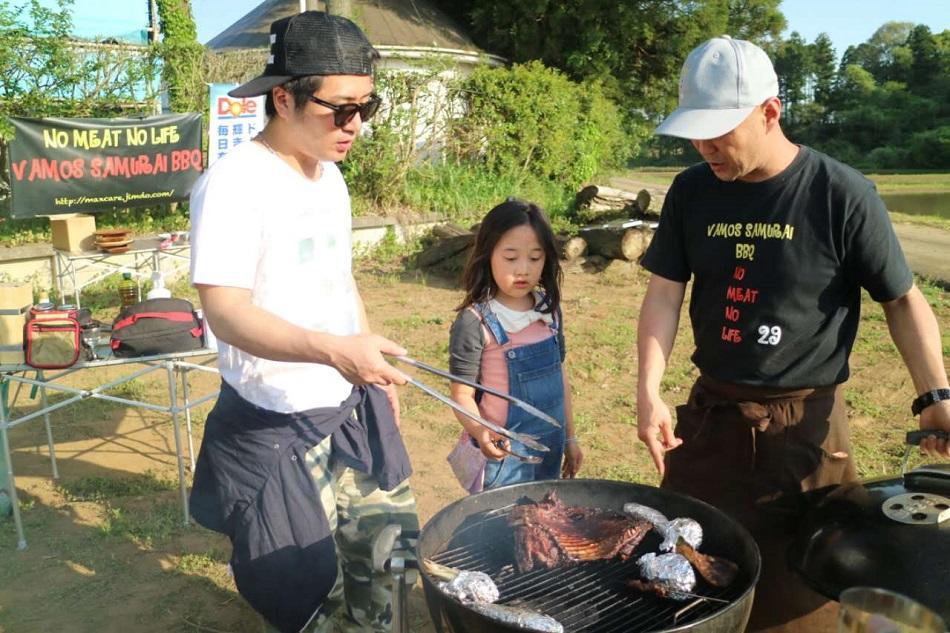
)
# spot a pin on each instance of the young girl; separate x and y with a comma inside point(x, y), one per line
point(508, 335)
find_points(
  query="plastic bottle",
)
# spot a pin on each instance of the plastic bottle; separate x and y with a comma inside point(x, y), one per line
point(128, 290)
point(158, 291)
point(44, 303)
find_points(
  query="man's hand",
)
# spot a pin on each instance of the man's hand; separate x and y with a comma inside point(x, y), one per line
point(393, 396)
point(655, 429)
point(359, 359)
point(936, 417)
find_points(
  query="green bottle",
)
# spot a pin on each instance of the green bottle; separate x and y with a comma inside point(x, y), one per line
point(128, 290)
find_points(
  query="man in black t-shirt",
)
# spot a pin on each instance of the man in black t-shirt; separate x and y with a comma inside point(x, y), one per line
point(778, 240)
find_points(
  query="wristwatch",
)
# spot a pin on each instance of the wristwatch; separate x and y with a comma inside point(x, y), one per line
point(924, 400)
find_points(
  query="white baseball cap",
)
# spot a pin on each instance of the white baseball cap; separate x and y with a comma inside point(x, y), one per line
point(722, 81)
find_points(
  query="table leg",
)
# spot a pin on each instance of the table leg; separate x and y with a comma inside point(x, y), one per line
point(75, 282)
point(11, 481)
point(57, 272)
point(185, 397)
point(173, 408)
point(49, 431)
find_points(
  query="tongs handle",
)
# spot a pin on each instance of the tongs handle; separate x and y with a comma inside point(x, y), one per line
point(521, 404)
point(914, 438)
point(531, 441)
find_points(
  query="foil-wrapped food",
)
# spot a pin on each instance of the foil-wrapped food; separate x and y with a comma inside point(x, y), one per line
point(478, 592)
point(683, 536)
point(670, 531)
point(468, 587)
point(519, 617)
point(666, 575)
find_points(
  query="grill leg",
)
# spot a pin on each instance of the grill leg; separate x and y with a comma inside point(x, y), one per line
point(397, 566)
point(389, 554)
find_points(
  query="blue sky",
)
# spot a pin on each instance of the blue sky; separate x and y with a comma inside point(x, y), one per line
point(848, 22)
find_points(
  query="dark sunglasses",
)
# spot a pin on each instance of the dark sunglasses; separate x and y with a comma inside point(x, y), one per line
point(343, 114)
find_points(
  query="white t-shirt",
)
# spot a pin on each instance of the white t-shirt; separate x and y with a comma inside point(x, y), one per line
point(257, 223)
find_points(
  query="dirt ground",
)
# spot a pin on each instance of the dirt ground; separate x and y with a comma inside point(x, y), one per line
point(107, 551)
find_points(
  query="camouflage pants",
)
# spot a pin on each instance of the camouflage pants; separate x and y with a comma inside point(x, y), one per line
point(361, 599)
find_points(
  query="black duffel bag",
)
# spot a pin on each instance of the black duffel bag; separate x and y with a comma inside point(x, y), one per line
point(156, 326)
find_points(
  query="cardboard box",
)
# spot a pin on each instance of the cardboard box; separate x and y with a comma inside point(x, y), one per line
point(74, 232)
point(15, 302)
point(12, 355)
point(13, 296)
point(11, 328)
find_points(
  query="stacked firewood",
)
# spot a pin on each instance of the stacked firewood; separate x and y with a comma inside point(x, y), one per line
point(598, 204)
point(619, 226)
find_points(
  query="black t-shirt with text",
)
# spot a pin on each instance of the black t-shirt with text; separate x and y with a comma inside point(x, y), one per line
point(777, 268)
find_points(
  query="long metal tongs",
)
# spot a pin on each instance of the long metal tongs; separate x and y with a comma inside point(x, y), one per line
point(531, 441)
point(521, 404)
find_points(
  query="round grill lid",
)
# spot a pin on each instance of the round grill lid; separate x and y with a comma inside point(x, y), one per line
point(848, 538)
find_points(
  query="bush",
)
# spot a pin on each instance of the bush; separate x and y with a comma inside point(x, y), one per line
point(532, 120)
point(409, 129)
point(887, 157)
point(930, 149)
point(464, 192)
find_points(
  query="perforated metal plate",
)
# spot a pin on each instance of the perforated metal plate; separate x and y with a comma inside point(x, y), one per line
point(917, 508)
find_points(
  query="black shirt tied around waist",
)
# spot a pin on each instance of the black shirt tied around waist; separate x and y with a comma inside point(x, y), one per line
point(252, 484)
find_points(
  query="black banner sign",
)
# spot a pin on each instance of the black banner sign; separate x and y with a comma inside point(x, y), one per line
point(71, 165)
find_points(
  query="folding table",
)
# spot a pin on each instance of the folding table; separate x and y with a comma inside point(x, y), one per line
point(174, 365)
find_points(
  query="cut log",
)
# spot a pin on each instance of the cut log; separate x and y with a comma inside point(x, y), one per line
point(643, 201)
point(611, 243)
point(446, 249)
point(590, 215)
point(443, 231)
point(571, 247)
point(599, 196)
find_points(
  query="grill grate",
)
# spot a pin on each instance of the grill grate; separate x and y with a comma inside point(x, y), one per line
point(587, 597)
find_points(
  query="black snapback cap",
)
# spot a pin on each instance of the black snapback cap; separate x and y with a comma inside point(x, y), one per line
point(311, 43)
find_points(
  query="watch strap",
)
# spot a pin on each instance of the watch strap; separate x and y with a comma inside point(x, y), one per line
point(924, 400)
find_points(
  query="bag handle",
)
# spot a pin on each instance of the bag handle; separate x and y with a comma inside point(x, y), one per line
point(184, 317)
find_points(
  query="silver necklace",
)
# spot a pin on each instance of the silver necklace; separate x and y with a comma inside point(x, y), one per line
point(263, 141)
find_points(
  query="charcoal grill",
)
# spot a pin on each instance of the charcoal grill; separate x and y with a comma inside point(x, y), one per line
point(473, 534)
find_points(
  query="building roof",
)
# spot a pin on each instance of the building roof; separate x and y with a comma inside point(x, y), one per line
point(401, 23)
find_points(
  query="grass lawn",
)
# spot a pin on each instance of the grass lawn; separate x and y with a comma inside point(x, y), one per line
point(108, 553)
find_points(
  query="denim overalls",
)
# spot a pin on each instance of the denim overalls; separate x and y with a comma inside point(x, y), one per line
point(535, 376)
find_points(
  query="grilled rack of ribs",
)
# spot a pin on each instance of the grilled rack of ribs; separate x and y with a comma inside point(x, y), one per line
point(549, 533)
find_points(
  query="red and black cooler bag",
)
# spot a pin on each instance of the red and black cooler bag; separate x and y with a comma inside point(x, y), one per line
point(51, 339)
point(156, 326)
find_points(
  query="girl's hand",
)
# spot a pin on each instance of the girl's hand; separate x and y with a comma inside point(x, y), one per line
point(487, 442)
point(573, 458)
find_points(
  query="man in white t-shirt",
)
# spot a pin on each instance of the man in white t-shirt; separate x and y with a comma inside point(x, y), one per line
point(271, 260)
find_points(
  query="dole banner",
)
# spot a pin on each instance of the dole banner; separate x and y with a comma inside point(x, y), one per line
point(233, 120)
point(69, 165)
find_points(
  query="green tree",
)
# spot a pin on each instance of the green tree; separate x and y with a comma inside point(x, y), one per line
point(822, 55)
point(882, 54)
point(182, 56)
point(755, 19)
point(634, 48)
point(792, 63)
point(925, 65)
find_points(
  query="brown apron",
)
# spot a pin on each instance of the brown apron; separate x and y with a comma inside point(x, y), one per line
point(752, 452)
